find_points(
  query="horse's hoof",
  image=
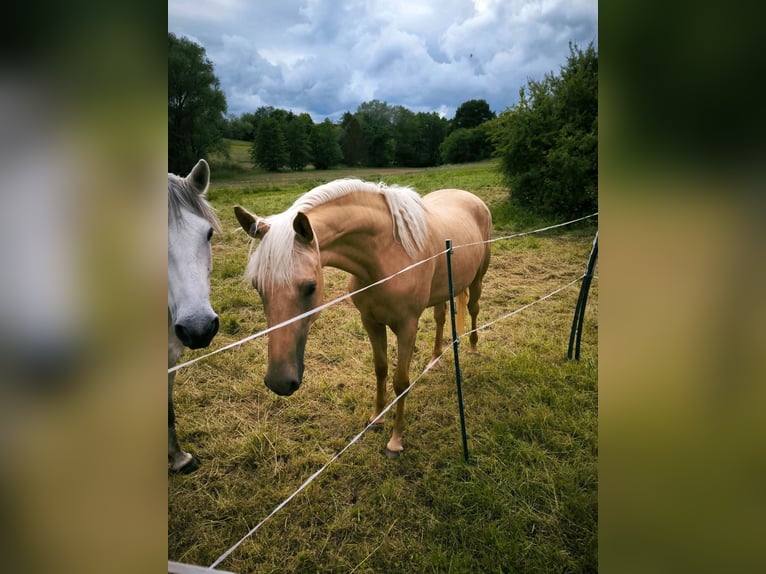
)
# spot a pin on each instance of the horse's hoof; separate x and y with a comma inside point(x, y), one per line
point(189, 466)
point(392, 454)
point(434, 363)
point(376, 427)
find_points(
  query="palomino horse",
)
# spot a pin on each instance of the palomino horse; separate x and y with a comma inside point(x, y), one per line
point(370, 231)
point(191, 320)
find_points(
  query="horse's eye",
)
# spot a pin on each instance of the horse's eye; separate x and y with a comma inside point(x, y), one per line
point(210, 234)
point(308, 289)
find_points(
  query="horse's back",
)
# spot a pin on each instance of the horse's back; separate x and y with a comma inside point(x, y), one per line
point(460, 214)
point(465, 219)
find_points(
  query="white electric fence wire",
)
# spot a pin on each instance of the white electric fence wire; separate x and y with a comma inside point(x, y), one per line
point(349, 295)
point(313, 311)
point(356, 438)
point(311, 478)
point(527, 306)
point(522, 234)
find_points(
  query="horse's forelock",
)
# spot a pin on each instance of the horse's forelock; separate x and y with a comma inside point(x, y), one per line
point(182, 195)
point(271, 263)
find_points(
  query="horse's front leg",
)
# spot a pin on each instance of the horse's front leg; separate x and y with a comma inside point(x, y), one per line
point(378, 339)
point(180, 461)
point(405, 337)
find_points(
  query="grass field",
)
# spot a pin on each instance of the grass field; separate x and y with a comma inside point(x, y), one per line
point(526, 501)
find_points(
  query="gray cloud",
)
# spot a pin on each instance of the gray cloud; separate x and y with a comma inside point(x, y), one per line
point(326, 57)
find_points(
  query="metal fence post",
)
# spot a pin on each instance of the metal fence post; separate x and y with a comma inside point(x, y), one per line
point(582, 299)
point(455, 343)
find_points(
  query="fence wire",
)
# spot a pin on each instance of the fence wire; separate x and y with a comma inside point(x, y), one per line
point(337, 300)
point(356, 438)
point(427, 368)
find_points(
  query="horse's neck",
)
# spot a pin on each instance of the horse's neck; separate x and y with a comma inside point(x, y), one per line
point(352, 237)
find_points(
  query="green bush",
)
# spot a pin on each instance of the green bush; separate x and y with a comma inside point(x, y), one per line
point(548, 142)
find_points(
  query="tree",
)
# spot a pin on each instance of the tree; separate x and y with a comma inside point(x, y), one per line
point(270, 148)
point(472, 114)
point(548, 142)
point(406, 139)
point(237, 128)
point(433, 130)
point(297, 130)
point(417, 138)
point(379, 134)
point(253, 119)
point(476, 144)
point(324, 145)
point(458, 146)
point(353, 144)
point(196, 105)
point(464, 145)
point(377, 124)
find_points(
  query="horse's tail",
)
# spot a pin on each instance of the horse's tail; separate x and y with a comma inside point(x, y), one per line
point(462, 306)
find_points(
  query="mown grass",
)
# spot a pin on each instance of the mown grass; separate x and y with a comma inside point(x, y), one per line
point(526, 502)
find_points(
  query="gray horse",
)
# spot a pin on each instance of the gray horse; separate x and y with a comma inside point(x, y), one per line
point(192, 322)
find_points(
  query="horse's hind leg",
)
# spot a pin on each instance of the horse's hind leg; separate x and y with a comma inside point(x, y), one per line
point(378, 339)
point(180, 461)
point(440, 314)
point(473, 310)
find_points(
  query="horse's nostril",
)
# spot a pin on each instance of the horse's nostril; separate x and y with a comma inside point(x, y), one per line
point(282, 387)
point(197, 334)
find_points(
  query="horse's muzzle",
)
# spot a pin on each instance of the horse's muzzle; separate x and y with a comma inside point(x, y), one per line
point(282, 387)
point(197, 334)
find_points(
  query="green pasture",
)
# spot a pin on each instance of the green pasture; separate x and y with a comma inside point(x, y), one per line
point(525, 502)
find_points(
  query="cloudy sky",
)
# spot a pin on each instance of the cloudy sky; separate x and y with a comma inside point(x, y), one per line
point(326, 57)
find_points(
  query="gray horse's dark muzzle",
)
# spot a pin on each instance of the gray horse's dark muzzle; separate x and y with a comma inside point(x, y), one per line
point(197, 334)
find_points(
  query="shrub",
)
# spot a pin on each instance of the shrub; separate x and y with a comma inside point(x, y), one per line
point(548, 142)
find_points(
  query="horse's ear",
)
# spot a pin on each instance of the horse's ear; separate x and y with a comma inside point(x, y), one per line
point(200, 176)
point(253, 226)
point(302, 228)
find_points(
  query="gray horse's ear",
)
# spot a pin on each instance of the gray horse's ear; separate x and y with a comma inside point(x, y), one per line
point(200, 176)
point(254, 226)
point(302, 228)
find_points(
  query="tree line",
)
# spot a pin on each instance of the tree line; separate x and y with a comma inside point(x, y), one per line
point(375, 135)
point(547, 143)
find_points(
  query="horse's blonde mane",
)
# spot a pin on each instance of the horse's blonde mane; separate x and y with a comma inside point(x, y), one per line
point(183, 195)
point(271, 262)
